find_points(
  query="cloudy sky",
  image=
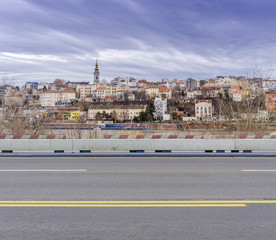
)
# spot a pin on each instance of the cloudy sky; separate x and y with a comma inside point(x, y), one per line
point(146, 39)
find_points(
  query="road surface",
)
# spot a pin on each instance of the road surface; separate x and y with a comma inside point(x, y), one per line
point(137, 198)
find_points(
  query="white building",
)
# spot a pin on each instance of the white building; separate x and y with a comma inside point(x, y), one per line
point(269, 84)
point(85, 91)
point(179, 84)
point(204, 110)
point(50, 98)
point(41, 85)
point(237, 97)
point(161, 109)
point(190, 94)
point(127, 81)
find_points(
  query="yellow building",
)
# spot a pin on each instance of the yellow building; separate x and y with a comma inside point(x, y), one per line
point(63, 114)
point(121, 113)
point(152, 91)
point(165, 92)
point(75, 115)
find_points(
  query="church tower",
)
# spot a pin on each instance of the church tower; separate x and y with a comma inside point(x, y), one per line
point(96, 74)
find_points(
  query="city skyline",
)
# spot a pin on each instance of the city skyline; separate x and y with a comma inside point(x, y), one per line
point(44, 40)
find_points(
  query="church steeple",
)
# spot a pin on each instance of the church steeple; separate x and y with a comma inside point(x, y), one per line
point(96, 74)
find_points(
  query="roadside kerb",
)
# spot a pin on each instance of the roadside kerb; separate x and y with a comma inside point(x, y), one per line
point(75, 145)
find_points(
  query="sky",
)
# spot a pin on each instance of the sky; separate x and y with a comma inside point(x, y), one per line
point(146, 39)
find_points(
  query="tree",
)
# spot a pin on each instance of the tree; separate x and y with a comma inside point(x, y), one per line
point(98, 116)
point(175, 116)
point(150, 109)
point(142, 116)
point(114, 116)
point(136, 119)
point(102, 115)
point(240, 117)
point(59, 83)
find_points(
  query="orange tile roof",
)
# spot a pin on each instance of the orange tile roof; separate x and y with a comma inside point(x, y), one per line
point(68, 91)
point(55, 91)
point(100, 88)
point(16, 95)
point(164, 89)
point(143, 81)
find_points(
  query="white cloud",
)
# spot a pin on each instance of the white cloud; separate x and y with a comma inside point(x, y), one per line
point(27, 57)
point(166, 60)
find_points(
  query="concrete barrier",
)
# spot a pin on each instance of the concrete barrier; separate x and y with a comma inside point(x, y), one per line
point(76, 145)
point(255, 144)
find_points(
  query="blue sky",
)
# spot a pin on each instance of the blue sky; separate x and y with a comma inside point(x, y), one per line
point(146, 39)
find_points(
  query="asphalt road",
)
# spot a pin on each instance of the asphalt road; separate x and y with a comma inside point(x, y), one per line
point(137, 198)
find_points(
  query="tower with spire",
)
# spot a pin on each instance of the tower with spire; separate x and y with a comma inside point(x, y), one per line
point(96, 74)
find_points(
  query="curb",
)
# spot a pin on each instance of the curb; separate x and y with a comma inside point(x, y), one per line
point(58, 155)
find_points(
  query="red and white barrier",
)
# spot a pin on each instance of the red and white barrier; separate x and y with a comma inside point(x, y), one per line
point(32, 137)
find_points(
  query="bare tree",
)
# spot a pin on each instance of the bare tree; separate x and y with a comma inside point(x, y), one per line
point(59, 83)
point(241, 117)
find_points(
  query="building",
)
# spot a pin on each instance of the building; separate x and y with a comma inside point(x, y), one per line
point(190, 94)
point(269, 84)
point(237, 97)
point(204, 109)
point(6, 91)
point(165, 92)
point(85, 92)
point(14, 100)
point(2, 93)
point(152, 91)
point(51, 98)
point(179, 84)
point(65, 114)
point(121, 113)
point(129, 81)
point(161, 109)
point(101, 93)
point(270, 102)
point(241, 94)
point(96, 74)
point(29, 85)
point(74, 85)
point(192, 83)
point(121, 95)
point(44, 86)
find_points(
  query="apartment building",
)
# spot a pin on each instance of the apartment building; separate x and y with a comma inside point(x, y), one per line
point(152, 91)
point(204, 109)
point(241, 94)
point(50, 98)
point(165, 92)
point(85, 91)
point(270, 102)
point(161, 108)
